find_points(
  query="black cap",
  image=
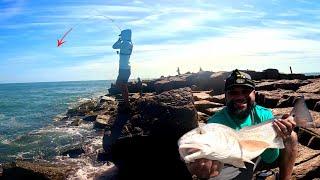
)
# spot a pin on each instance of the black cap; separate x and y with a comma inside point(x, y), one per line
point(238, 78)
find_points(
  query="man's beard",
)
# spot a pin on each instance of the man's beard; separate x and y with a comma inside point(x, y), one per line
point(240, 113)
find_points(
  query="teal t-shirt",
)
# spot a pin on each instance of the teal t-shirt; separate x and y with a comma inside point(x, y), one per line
point(260, 114)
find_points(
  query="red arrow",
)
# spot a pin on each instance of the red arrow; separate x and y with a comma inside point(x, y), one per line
point(60, 41)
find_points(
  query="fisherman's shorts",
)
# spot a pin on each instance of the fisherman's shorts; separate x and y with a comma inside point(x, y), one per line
point(123, 76)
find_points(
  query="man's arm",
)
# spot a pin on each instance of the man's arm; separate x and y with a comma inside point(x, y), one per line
point(117, 45)
point(284, 128)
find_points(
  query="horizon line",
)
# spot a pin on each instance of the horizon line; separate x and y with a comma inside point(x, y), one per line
point(58, 81)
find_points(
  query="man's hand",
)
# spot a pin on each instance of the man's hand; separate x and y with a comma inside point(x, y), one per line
point(284, 126)
point(205, 168)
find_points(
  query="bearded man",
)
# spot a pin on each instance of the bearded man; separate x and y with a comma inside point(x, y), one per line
point(241, 111)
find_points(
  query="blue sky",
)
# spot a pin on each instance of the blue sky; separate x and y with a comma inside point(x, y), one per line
point(214, 35)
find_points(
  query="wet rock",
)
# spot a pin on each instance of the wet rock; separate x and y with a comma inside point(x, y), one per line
point(108, 99)
point(90, 118)
point(76, 121)
point(35, 170)
point(82, 110)
point(74, 152)
point(102, 121)
point(105, 102)
point(74, 112)
point(60, 118)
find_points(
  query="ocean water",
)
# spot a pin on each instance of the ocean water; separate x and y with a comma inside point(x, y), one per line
point(312, 74)
point(27, 112)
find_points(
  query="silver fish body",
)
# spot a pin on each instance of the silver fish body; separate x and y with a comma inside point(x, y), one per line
point(222, 143)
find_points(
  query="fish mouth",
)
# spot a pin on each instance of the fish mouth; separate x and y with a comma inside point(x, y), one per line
point(191, 152)
point(187, 151)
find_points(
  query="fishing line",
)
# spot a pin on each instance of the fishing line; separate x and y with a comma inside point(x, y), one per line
point(97, 15)
point(106, 17)
point(61, 41)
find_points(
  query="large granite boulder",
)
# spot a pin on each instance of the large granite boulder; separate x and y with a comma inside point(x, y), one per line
point(169, 83)
point(154, 154)
point(200, 79)
point(171, 110)
point(217, 81)
point(271, 74)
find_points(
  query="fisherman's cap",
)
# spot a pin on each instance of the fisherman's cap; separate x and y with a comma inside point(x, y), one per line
point(238, 78)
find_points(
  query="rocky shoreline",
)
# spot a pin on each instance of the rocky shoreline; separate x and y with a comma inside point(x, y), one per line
point(167, 108)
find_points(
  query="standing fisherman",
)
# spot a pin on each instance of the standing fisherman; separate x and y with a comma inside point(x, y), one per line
point(125, 45)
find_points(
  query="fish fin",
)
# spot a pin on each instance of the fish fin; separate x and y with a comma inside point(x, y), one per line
point(238, 163)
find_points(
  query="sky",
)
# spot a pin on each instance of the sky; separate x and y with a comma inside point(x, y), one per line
point(213, 35)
